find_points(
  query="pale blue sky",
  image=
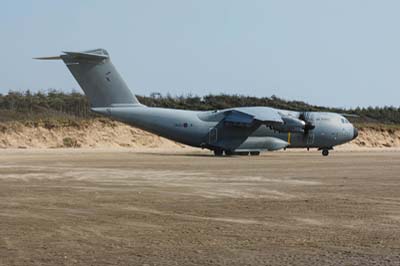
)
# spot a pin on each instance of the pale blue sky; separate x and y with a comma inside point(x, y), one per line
point(342, 53)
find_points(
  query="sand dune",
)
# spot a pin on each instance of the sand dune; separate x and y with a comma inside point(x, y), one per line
point(103, 133)
point(87, 134)
point(375, 138)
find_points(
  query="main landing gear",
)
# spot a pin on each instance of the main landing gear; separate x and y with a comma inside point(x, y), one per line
point(220, 152)
point(228, 153)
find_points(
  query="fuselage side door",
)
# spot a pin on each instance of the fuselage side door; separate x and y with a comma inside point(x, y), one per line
point(212, 135)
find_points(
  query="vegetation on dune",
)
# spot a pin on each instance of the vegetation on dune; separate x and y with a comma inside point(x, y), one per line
point(29, 106)
point(62, 106)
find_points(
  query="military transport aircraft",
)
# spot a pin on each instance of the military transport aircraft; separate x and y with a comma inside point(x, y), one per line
point(242, 130)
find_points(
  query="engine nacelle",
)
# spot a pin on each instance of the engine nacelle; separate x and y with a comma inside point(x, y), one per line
point(291, 124)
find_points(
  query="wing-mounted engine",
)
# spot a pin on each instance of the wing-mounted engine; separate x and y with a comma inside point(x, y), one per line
point(301, 124)
point(291, 124)
point(306, 117)
point(250, 117)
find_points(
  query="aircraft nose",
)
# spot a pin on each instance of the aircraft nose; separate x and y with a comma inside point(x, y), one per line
point(355, 132)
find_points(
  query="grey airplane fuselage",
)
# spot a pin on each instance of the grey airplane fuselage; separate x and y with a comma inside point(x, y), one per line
point(205, 128)
point(242, 129)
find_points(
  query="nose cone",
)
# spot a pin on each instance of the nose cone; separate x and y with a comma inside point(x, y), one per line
point(355, 132)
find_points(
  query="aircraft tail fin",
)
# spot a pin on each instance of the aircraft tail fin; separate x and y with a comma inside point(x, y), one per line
point(98, 78)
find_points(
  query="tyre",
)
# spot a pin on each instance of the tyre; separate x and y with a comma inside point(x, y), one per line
point(218, 152)
point(228, 153)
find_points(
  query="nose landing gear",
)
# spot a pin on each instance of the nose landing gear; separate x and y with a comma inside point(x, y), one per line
point(325, 152)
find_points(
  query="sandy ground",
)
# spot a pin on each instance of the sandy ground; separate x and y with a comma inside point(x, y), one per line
point(102, 207)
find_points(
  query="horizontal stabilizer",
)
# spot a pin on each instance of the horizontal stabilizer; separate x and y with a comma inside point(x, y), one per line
point(93, 55)
point(89, 56)
point(48, 58)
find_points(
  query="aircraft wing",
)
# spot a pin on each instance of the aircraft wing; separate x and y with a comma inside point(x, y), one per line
point(247, 116)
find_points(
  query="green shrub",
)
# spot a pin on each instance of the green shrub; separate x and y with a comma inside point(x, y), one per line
point(70, 143)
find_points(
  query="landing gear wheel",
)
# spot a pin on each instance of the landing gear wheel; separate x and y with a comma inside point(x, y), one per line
point(228, 153)
point(254, 153)
point(325, 152)
point(218, 152)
